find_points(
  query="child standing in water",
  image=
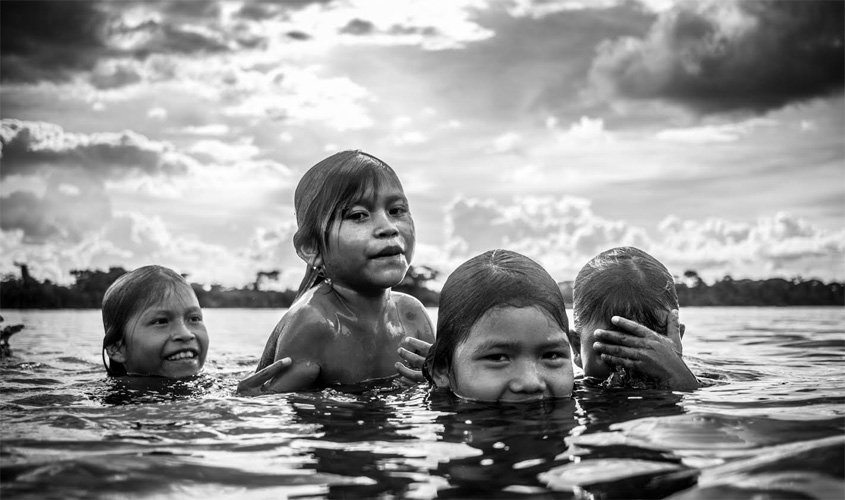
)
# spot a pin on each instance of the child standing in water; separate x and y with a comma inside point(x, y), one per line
point(356, 234)
point(501, 332)
point(626, 322)
point(153, 325)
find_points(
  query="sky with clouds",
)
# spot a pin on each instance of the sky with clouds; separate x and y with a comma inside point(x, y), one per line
point(709, 133)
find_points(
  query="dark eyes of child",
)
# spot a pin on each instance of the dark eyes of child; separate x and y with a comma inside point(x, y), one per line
point(554, 355)
point(548, 356)
point(195, 318)
point(355, 216)
point(398, 211)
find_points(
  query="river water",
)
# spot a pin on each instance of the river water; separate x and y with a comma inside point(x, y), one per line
point(769, 423)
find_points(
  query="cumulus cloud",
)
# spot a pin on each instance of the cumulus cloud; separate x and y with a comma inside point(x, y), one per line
point(73, 204)
point(772, 242)
point(564, 233)
point(707, 134)
point(132, 239)
point(29, 148)
point(55, 40)
point(717, 56)
point(560, 233)
point(585, 132)
point(299, 95)
point(432, 25)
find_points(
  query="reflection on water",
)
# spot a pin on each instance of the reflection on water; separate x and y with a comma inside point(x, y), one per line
point(768, 424)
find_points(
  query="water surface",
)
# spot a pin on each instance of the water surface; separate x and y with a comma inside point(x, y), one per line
point(768, 424)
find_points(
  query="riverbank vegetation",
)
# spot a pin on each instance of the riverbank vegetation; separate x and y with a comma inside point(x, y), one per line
point(26, 292)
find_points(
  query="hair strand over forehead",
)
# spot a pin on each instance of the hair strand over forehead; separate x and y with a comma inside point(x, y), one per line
point(326, 189)
point(494, 279)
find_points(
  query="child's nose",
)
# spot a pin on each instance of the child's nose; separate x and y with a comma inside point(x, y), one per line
point(528, 379)
point(385, 225)
point(183, 331)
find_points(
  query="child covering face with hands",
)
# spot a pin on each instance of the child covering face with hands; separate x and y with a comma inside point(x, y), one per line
point(626, 322)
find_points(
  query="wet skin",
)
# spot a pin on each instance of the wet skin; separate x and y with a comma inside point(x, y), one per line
point(625, 343)
point(166, 339)
point(350, 330)
point(511, 355)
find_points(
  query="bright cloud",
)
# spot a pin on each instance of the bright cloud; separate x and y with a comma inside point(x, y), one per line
point(564, 233)
point(727, 132)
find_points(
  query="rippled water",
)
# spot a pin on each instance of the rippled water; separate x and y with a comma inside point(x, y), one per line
point(769, 424)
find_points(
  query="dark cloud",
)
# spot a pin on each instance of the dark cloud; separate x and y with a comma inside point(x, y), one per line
point(298, 35)
point(192, 9)
point(24, 210)
point(29, 148)
point(49, 40)
point(358, 27)
point(169, 39)
point(54, 40)
point(74, 203)
point(122, 76)
point(731, 56)
point(260, 11)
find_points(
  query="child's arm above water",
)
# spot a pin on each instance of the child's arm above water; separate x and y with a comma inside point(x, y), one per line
point(256, 384)
point(297, 338)
point(647, 351)
point(419, 337)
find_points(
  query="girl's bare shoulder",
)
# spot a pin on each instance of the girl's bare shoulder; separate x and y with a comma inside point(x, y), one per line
point(307, 319)
point(414, 317)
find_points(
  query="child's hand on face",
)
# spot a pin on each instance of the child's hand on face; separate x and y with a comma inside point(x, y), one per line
point(413, 351)
point(261, 381)
point(648, 352)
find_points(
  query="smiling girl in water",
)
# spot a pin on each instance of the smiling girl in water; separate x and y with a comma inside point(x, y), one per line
point(153, 325)
point(501, 332)
point(356, 234)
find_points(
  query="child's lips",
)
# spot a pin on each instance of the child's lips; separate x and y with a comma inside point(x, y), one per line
point(183, 355)
point(388, 252)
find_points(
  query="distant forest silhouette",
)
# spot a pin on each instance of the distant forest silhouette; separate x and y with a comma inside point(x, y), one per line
point(26, 292)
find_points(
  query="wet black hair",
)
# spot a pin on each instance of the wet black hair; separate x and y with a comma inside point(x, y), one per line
point(627, 282)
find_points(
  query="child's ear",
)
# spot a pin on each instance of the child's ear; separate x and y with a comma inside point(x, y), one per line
point(310, 255)
point(575, 342)
point(117, 352)
point(440, 375)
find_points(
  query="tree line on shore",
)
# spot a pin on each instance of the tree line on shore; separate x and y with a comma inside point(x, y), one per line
point(26, 292)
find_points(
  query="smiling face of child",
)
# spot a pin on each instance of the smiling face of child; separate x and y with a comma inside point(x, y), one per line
point(371, 243)
point(167, 338)
point(512, 354)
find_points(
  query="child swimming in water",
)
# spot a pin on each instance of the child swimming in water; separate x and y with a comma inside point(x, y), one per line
point(356, 234)
point(626, 322)
point(153, 325)
point(501, 332)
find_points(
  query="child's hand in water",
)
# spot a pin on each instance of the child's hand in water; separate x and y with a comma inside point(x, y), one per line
point(648, 352)
point(413, 351)
point(257, 383)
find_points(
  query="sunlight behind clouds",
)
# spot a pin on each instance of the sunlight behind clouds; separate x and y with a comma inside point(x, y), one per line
point(176, 132)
